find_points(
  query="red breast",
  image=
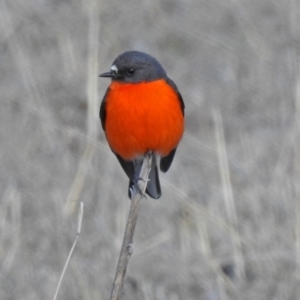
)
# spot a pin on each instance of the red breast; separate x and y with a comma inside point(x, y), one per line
point(141, 117)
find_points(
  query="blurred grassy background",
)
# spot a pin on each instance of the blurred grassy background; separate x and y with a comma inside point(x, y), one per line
point(230, 201)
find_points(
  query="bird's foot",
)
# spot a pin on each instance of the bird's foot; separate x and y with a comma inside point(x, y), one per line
point(135, 189)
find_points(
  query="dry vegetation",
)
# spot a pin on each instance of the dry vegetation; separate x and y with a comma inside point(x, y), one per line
point(231, 200)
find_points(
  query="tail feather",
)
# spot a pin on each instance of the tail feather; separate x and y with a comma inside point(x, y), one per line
point(153, 186)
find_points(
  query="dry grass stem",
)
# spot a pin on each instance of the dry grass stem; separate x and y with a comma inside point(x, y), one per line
point(72, 249)
point(297, 174)
point(228, 192)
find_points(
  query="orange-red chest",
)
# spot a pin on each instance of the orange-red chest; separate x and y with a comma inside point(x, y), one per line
point(142, 117)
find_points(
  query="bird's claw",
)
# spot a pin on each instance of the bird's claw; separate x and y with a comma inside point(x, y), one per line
point(135, 189)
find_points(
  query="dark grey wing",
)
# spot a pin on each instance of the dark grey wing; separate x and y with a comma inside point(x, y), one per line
point(127, 165)
point(166, 161)
point(102, 112)
point(174, 86)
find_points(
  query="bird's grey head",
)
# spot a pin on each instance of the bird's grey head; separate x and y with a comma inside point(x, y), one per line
point(134, 67)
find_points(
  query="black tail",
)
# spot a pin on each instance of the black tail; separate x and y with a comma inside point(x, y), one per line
point(153, 186)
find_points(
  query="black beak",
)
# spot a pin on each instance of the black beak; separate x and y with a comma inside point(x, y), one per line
point(107, 74)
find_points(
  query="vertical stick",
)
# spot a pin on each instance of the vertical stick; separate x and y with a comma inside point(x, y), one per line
point(127, 249)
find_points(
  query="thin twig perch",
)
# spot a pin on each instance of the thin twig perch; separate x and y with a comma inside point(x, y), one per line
point(127, 248)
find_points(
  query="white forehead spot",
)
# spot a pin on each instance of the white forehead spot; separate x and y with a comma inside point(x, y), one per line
point(114, 68)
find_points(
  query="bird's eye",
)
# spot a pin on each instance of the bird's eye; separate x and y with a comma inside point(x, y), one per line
point(130, 72)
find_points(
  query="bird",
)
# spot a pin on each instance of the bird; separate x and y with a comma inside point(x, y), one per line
point(142, 111)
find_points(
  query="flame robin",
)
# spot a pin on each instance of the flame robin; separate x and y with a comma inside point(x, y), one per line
point(142, 110)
